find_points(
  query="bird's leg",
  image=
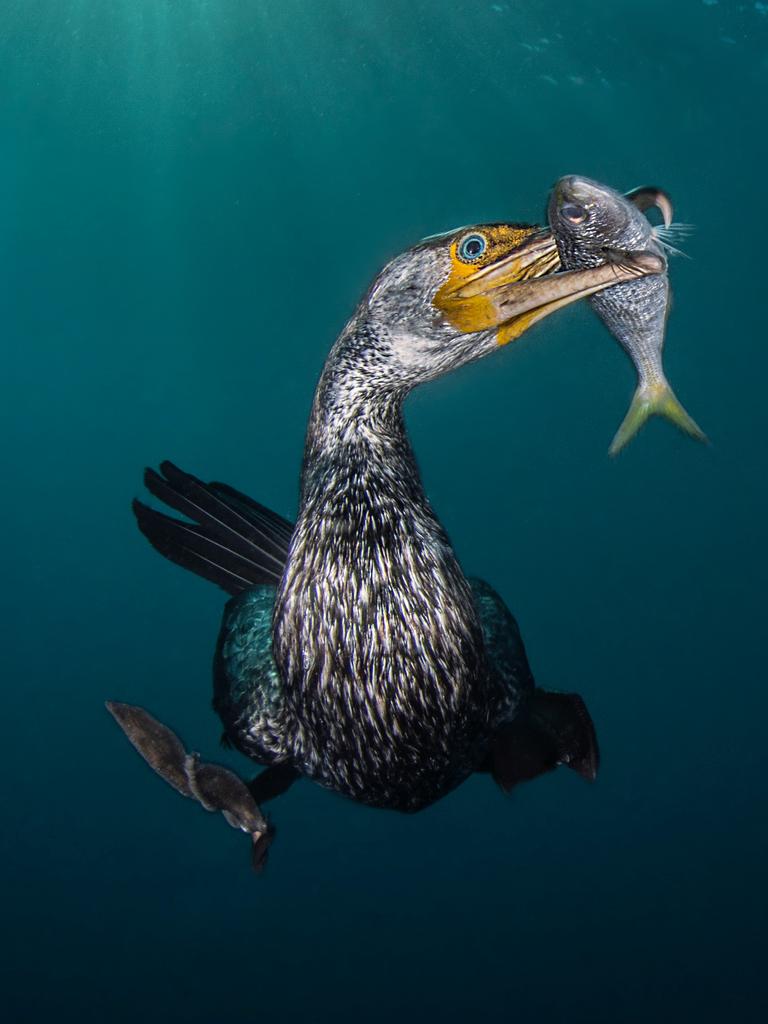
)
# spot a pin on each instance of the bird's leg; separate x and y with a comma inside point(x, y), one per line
point(272, 782)
point(552, 729)
point(216, 788)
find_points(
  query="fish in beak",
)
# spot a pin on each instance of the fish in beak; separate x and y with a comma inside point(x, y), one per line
point(515, 286)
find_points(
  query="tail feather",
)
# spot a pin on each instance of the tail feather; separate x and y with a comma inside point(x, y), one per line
point(654, 400)
point(232, 541)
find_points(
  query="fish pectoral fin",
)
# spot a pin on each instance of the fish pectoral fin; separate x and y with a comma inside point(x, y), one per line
point(656, 399)
point(553, 729)
point(631, 264)
point(214, 787)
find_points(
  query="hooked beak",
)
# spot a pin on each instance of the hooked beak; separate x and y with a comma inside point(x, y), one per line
point(522, 288)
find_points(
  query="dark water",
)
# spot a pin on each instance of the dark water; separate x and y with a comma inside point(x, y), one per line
point(193, 196)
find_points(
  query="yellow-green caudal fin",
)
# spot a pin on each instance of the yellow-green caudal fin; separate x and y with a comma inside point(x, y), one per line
point(654, 400)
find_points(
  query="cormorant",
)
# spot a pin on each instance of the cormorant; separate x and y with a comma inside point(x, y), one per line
point(354, 650)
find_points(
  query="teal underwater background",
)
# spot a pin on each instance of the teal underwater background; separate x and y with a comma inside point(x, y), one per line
point(193, 196)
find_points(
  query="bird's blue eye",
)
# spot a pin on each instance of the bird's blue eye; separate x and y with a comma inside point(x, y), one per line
point(472, 248)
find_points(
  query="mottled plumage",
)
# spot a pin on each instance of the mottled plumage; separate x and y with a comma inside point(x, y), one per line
point(354, 651)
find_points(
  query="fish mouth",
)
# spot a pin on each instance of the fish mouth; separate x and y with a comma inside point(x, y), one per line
point(515, 292)
point(576, 189)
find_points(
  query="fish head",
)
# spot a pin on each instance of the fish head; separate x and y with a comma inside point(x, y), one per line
point(587, 217)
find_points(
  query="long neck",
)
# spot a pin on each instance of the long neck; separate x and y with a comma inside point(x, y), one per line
point(373, 602)
point(356, 437)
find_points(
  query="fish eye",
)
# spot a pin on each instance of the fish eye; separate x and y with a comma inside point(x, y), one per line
point(575, 214)
point(471, 248)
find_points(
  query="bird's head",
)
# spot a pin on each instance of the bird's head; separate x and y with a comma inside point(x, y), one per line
point(456, 297)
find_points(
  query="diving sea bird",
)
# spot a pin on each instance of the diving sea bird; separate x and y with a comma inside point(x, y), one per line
point(353, 650)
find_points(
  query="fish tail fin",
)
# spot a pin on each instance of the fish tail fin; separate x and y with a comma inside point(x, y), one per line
point(657, 399)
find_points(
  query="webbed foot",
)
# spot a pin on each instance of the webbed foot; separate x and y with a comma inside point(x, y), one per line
point(214, 787)
point(553, 729)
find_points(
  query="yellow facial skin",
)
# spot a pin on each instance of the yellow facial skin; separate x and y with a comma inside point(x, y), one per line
point(472, 297)
point(513, 282)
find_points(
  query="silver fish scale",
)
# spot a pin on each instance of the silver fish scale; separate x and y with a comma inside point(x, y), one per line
point(634, 312)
